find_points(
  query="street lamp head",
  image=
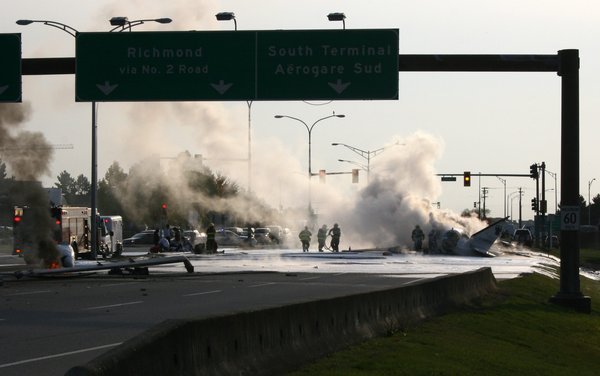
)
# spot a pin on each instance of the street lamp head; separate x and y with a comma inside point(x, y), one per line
point(119, 21)
point(278, 116)
point(164, 20)
point(336, 16)
point(225, 16)
point(334, 144)
point(340, 116)
point(24, 22)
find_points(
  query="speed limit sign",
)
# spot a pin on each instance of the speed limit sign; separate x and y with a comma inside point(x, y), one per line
point(569, 218)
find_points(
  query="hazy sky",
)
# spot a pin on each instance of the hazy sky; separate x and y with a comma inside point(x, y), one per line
point(481, 122)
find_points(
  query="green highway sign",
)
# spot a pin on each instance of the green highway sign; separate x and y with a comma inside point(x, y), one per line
point(327, 64)
point(164, 66)
point(10, 68)
point(237, 65)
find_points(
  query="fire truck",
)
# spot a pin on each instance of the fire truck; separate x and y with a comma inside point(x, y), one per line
point(69, 225)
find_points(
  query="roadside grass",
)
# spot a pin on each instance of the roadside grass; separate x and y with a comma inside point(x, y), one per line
point(513, 331)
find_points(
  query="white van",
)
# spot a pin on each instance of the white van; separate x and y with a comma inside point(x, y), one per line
point(113, 237)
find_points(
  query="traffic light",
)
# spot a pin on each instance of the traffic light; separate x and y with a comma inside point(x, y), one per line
point(355, 175)
point(533, 171)
point(467, 178)
point(164, 209)
point(56, 214)
point(534, 204)
point(543, 206)
point(322, 174)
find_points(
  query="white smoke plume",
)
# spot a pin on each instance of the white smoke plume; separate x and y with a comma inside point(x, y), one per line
point(402, 188)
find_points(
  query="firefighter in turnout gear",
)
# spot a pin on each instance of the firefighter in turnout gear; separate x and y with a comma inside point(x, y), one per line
point(417, 237)
point(335, 233)
point(304, 236)
point(321, 236)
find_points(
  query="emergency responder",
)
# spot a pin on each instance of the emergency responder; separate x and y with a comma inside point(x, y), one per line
point(211, 242)
point(433, 240)
point(304, 237)
point(250, 235)
point(335, 233)
point(167, 232)
point(163, 245)
point(417, 237)
point(321, 236)
point(156, 237)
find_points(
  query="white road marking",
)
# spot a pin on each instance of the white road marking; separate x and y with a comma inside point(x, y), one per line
point(203, 293)
point(30, 293)
point(120, 284)
point(113, 305)
point(308, 278)
point(262, 284)
point(59, 355)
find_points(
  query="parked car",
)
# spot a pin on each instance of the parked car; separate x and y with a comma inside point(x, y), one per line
point(261, 234)
point(229, 238)
point(237, 230)
point(523, 236)
point(197, 239)
point(144, 239)
point(276, 234)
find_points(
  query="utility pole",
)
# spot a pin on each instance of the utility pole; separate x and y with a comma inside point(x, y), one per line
point(542, 203)
point(520, 211)
point(479, 195)
point(484, 196)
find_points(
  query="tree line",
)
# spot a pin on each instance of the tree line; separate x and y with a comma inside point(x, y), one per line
point(197, 197)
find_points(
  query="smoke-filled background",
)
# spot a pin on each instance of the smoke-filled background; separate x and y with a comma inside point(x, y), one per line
point(27, 156)
point(455, 113)
point(402, 185)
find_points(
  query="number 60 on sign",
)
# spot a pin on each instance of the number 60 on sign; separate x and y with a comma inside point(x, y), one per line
point(569, 218)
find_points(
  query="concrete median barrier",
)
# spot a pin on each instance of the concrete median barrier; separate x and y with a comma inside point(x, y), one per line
point(280, 339)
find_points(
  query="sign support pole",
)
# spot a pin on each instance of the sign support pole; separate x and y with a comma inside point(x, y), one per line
point(94, 187)
point(570, 294)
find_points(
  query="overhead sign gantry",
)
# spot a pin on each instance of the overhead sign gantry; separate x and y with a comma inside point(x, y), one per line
point(237, 65)
point(10, 68)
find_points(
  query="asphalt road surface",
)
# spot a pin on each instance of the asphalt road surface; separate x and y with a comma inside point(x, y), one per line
point(51, 324)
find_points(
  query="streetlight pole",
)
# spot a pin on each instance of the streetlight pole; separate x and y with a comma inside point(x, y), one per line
point(337, 17)
point(366, 154)
point(230, 16)
point(119, 22)
point(362, 166)
point(227, 16)
point(309, 129)
point(589, 201)
point(511, 207)
point(504, 183)
point(553, 174)
point(124, 23)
